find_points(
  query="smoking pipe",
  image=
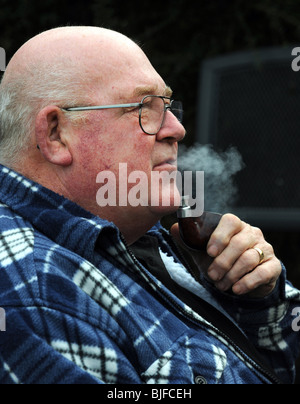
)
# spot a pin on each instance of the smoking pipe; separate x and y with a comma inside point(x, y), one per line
point(195, 232)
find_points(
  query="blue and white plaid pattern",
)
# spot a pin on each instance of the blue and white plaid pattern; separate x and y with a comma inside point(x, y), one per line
point(80, 309)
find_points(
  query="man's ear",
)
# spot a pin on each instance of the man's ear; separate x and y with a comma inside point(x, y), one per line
point(50, 126)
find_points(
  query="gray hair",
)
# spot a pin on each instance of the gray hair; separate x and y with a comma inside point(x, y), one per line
point(24, 95)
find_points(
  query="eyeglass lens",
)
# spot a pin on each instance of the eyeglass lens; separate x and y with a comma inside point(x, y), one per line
point(153, 113)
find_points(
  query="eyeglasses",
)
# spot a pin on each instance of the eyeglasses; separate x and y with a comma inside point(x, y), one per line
point(152, 111)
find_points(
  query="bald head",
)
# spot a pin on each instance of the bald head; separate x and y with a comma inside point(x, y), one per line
point(79, 56)
point(71, 47)
point(65, 66)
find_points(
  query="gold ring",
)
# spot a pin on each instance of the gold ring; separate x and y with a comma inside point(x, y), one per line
point(261, 254)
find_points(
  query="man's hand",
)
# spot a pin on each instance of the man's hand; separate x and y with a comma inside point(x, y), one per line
point(236, 263)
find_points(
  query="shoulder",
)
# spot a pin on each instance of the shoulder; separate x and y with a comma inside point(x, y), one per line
point(16, 238)
point(30, 262)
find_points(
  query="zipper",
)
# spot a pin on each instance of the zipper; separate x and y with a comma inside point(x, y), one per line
point(254, 363)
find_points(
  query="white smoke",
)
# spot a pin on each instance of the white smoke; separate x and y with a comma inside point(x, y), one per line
point(219, 169)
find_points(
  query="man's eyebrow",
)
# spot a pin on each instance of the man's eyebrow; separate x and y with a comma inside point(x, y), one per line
point(168, 92)
point(151, 90)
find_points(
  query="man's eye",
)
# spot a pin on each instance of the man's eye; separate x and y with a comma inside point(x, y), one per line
point(147, 105)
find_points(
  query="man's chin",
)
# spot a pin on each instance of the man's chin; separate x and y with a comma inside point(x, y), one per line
point(166, 205)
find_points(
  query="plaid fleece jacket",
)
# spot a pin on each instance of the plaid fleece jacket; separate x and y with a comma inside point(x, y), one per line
point(80, 309)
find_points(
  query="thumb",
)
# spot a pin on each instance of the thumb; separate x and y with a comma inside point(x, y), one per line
point(176, 234)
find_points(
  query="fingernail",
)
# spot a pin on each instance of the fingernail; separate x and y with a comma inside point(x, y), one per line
point(212, 251)
point(238, 290)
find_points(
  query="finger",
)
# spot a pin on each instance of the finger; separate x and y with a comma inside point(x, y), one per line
point(238, 245)
point(246, 263)
point(228, 227)
point(261, 281)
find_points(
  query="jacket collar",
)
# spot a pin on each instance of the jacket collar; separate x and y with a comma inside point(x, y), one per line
point(61, 220)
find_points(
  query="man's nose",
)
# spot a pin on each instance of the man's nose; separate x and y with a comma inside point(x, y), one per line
point(172, 129)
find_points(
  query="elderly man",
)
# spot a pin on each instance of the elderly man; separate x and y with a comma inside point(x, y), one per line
point(88, 289)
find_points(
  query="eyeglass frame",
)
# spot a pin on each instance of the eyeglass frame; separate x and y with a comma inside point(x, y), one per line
point(132, 105)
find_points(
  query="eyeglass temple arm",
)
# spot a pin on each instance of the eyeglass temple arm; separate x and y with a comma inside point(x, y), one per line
point(98, 107)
